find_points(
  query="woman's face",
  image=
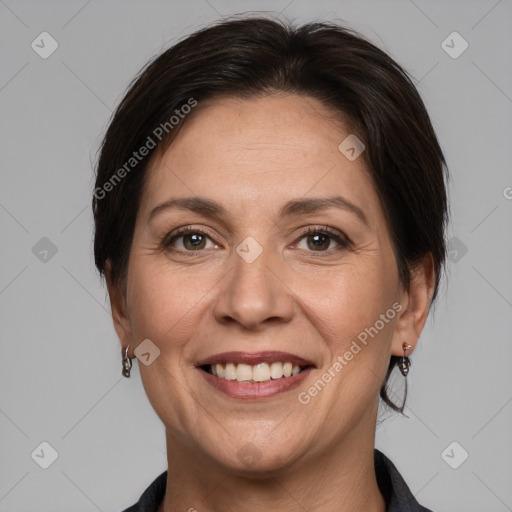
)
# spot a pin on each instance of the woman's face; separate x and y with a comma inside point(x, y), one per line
point(248, 279)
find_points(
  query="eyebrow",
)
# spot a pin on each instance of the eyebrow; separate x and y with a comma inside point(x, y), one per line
point(210, 208)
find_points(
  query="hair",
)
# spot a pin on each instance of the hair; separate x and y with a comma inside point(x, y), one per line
point(244, 58)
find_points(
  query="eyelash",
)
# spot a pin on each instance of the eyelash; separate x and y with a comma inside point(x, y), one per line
point(340, 239)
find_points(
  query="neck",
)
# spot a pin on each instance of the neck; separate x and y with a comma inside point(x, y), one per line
point(342, 479)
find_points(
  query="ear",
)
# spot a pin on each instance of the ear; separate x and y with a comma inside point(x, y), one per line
point(118, 307)
point(416, 304)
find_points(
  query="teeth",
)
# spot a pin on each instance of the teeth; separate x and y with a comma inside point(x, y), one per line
point(230, 372)
point(243, 372)
point(276, 370)
point(261, 372)
point(219, 371)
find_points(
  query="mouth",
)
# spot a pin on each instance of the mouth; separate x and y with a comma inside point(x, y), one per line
point(256, 375)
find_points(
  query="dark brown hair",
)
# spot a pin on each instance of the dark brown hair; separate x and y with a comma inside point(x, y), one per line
point(256, 56)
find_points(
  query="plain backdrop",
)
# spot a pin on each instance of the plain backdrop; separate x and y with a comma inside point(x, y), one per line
point(60, 360)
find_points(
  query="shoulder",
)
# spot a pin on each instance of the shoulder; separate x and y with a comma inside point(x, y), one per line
point(396, 492)
point(151, 498)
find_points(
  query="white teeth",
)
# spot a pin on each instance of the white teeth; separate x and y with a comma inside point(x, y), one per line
point(260, 372)
point(243, 372)
point(230, 372)
point(276, 370)
point(219, 371)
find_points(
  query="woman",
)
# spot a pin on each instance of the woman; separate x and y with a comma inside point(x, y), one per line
point(270, 210)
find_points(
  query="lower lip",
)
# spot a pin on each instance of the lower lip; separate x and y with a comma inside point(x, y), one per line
point(253, 390)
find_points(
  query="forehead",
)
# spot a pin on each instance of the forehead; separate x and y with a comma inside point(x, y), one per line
point(262, 150)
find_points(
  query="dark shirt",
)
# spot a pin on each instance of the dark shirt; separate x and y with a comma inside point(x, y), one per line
point(396, 493)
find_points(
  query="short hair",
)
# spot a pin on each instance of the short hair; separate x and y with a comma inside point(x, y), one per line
point(249, 57)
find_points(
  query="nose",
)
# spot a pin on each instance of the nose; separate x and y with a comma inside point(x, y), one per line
point(255, 294)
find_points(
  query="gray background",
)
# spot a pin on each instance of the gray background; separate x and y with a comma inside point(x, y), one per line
point(60, 378)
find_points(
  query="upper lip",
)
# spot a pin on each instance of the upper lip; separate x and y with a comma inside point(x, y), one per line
point(252, 358)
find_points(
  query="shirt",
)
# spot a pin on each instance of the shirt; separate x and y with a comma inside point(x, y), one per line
point(396, 493)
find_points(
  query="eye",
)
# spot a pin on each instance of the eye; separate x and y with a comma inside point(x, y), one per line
point(320, 240)
point(191, 239)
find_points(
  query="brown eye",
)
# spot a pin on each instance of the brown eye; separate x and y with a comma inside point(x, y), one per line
point(318, 241)
point(187, 240)
point(194, 241)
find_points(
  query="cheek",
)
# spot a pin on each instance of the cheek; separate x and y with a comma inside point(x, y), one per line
point(163, 301)
point(353, 307)
point(164, 308)
point(347, 299)
point(344, 392)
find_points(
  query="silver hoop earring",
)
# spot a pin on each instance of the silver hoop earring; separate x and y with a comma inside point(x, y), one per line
point(127, 364)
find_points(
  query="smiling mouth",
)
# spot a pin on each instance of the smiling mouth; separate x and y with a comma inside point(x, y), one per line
point(261, 372)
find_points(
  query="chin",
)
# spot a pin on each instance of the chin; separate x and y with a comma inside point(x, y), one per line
point(260, 458)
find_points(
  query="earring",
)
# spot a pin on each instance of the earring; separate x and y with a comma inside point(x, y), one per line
point(127, 364)
point(405, 362)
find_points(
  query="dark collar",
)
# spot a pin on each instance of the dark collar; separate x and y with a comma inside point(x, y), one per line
point(397, 494)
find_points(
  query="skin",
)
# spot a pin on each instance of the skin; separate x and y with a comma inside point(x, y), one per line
point(252, 156)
